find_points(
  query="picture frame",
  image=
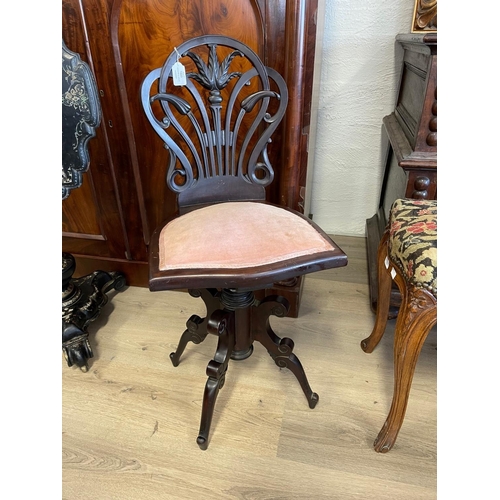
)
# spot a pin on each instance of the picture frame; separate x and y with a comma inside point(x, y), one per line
point(424, 16)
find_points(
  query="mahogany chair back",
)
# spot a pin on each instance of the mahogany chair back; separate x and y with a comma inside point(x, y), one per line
point(215, 106)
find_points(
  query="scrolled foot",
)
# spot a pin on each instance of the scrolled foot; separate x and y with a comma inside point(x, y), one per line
point(222, 324)
point(216, 377)
point(364, 345)
point(78, 352)
point(290, 361)
point(385, 439)
point(119, 282)
point(105, 281)
point(280, 349)
point(195, 333)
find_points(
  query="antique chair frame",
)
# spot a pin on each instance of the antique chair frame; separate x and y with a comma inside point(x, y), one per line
point(228, 175)
point(417, 315)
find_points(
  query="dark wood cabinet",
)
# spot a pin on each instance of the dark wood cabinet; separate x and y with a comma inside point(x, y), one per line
point(108, 221)
point(411, 135)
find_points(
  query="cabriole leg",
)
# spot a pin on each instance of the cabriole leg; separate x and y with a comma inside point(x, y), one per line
point(196, 331)
point(384, 296)
point(280, 349)
point(417, 315)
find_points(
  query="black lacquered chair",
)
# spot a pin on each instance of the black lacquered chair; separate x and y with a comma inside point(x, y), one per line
point(216, 120)
point(82, 298)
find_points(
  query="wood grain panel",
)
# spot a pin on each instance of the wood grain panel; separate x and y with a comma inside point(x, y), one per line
point(78, 215)
point(95, 208)
point(145, 33)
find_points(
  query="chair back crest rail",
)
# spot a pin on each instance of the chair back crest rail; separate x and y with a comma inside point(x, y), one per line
point(218, 125)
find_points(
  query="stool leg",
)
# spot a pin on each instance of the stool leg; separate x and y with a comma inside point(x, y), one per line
point(280, 349)
point(383, 299)
point(417, 315)
point(196, 331)
point(221, 323)
point(193, 333)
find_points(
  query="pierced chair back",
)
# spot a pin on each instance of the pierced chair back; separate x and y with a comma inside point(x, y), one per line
point(215, 106)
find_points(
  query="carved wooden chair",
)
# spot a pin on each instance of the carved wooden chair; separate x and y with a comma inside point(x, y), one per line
point(407, 254)
point(227, 241)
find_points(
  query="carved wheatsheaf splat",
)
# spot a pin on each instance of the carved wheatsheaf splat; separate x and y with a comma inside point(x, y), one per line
point(220, 123)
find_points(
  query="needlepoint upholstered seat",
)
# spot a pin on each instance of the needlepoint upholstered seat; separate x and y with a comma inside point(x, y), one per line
point(407, 254)
point(215, 106)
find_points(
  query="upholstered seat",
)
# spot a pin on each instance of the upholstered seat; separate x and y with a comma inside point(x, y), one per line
point(267, 242)
point(407, 254)
point(227, 244)
point(413, 241)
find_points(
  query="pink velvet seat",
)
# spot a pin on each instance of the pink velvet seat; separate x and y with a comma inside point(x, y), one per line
point(256, 242)
point(228, 245)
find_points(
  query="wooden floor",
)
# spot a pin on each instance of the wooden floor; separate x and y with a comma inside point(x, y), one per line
point(130, 423)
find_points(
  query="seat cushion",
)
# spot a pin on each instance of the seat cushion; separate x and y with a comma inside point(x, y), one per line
point(237, 235)
point(413, 241)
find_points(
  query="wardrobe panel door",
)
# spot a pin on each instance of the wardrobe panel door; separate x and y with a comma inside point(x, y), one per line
point(91, 215)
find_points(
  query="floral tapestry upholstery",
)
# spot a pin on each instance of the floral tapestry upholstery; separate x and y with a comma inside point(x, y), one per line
point(413, 241)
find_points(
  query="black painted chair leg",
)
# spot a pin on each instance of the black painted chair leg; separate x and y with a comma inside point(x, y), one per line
point(82, 301)
point(221, 323)
point(280, 349)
